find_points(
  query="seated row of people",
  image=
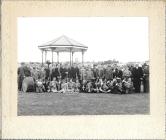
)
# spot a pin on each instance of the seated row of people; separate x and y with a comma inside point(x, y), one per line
point(111, 86)
point(86, 86)
point(56, 86)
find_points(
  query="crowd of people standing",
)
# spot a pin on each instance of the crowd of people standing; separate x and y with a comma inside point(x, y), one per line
point(96, 78)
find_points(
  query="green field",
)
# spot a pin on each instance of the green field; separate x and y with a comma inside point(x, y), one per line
point(82, 104)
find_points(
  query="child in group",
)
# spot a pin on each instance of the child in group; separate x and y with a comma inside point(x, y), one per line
point(89, 87)
point(53, 85)
point(70, 86)
point(100, 84)
point(46, 84)
point(64, 86)
point(77, 86)
point(59, 84)
point(96, 85)
point(83, 86)
point(109, 90)
point(104, 88)
point(117, 86)
point(39, 86)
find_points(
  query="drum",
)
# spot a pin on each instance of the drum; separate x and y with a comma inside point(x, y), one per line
point(28, 84)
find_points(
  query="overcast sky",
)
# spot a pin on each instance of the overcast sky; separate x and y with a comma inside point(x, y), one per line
point(121, 38)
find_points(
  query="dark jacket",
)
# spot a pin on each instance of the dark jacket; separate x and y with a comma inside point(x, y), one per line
point(55, 73)
point(73, 72)
point(137, 73)
point(118, 73)
point(27, 71)
point(95, 73)
point(63, 72)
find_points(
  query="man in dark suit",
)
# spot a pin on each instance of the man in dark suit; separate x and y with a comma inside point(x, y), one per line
point(95, 72)
point(63, 71)
point(74, 72)
point(77, 72)
point(47, 72)
point(109, 73)
point(120, 73)
point(23, 71)
point(146, 78)
point(55, 72)
point(117, 73)
point(137, 74)
point(21, 76)
point(71, 72)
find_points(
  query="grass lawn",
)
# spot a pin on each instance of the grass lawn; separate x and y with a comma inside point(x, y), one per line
point(82, 104)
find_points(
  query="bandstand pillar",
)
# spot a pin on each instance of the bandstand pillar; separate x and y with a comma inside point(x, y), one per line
point(52, 57)
point(72, 58)
point(57, 57)
point(45, 56)
point(82, 57)
point(42, 57)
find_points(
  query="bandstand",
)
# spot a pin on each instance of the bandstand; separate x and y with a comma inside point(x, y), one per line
point(62, 44)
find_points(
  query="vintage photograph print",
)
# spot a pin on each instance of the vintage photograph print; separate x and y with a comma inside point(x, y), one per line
point(83, 66)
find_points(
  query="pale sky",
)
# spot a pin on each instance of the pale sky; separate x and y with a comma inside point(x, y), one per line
point(122, 38)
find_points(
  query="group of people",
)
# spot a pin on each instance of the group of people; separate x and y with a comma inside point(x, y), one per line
point(62, 78)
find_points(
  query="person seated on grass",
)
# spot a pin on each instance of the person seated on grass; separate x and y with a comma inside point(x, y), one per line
point(83, 86)
point(46, 84)
point(93, 86)
point(59, 84)
point(89, 87)
point(53, 85)
point(64, 86)
point(104, 88)
point(70, 86)
point(100, 84)
point(77, 86)
point(127, 85)
point(96, 85)
point(110, 86)
point(39, 86)
point(117, 86)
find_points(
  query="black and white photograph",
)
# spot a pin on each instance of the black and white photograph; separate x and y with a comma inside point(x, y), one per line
point(83, 66)
point(83, 69)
